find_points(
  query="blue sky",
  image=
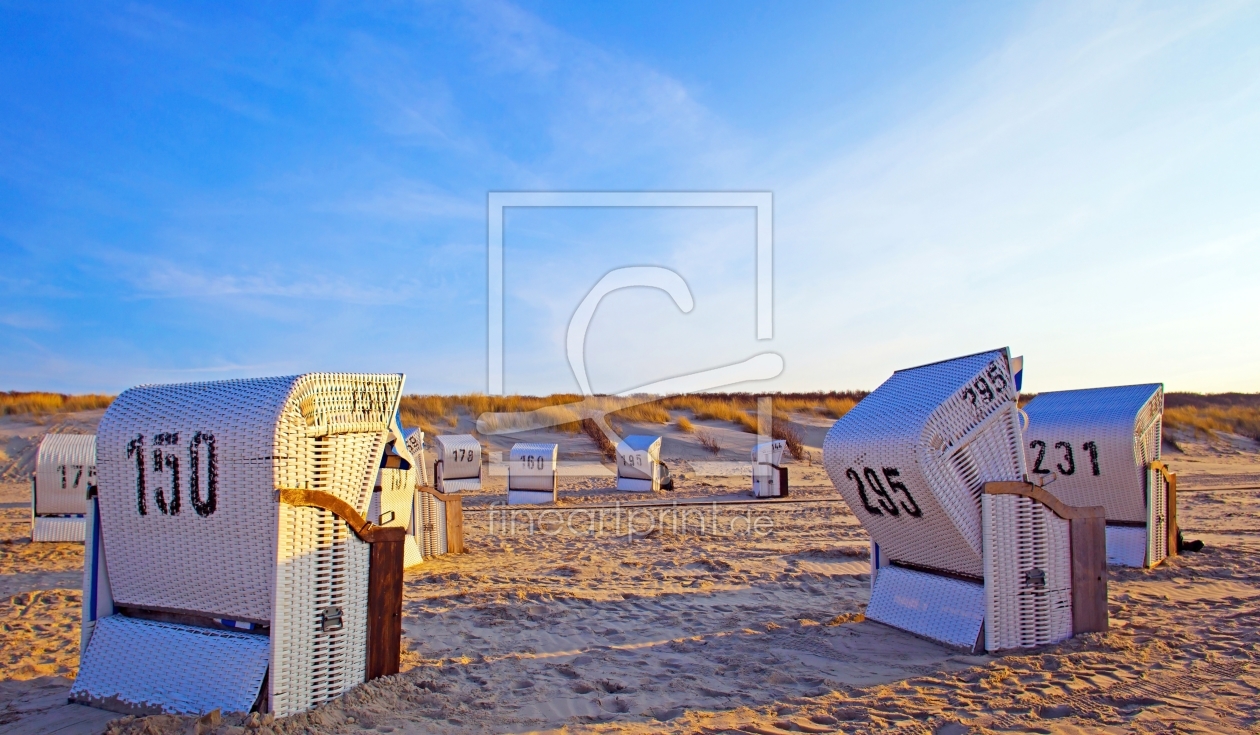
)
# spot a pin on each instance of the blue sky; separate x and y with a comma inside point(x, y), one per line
point(193, 192)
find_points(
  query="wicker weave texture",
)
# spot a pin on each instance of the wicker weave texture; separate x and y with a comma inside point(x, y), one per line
point(1097, 444)
point(770, 452)
point(1126, 546)
point(433, 519)
point(63, 529)
point(64, 467)
point(195, 467)
point(1028, 574)
point(459, 486)
point(533, 467)
point(912, 458)
point(1156, 518)
point(943, 609)
point(398, 490)
point(639, 458)
point(323, 565)
point(191, 522)
point(414, 439)
point(460, 457)
point(171, 668)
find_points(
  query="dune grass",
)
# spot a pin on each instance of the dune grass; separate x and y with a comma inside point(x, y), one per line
point(1211, 414)
point(1213, 420)
point(15, 403)
point(429, 411)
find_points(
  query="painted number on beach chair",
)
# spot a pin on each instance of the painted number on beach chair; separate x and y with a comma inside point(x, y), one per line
point(632, 460)
point(1068, 457)
point(887, 504)
point(166, 459)
point(462, 455)
point(987, 389)
point(532, 462)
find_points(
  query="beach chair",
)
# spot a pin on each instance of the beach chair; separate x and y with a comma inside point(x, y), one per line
point(769, 478)
point(437, 520)
point(230, 564)
point(414, 439)
point(1101, 446)
point(639, 467)
point(65, 471)
point(968, 553)
point(532, 474)
point(457, 463)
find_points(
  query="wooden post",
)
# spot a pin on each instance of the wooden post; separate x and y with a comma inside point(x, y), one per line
point(1089, 574)
point(454, 524)
point(385, 577)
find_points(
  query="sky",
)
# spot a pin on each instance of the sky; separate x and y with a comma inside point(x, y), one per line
point(201, 192)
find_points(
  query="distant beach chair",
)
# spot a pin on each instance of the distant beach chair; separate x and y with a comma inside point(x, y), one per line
point(414, 439)
point(639, 467)
point(229, 561)
point(457, 464)
point(967, 554)
point(437, 519)
point(769, 477)
point(532, 474)
point(65, 472)
point(1101, 446)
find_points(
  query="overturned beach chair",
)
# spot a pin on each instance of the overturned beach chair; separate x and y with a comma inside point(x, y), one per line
point(1101, 446)
point(968, 554)
point(65, 472)
point(639, 468)
point(457, 463)
point(769, 477)
point(229, 562)
point(532, 474)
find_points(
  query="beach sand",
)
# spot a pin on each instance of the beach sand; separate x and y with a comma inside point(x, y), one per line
point(749, 623)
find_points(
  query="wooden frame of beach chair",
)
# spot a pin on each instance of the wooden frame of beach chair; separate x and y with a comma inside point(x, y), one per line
point(442, 518)
point(912, 460)
point(769, 477)
point(457, 463)
point(533, 475)
point(65, 473)
point(229, 561)
point(639, 464)
point(1101, 446)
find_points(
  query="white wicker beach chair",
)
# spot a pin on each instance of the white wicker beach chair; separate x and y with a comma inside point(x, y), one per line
point(415, 444)
point(457, 464)
point(532, 474)
point(437, 518)
point(769, 477)
point(229, 546)
point(1101, 446)
point(639, 464)
point(65, 471)
point(969, 555)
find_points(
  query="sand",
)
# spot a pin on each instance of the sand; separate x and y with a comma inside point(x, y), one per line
point(751, 623)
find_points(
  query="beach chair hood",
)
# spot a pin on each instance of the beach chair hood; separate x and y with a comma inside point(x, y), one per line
point(911, 459)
